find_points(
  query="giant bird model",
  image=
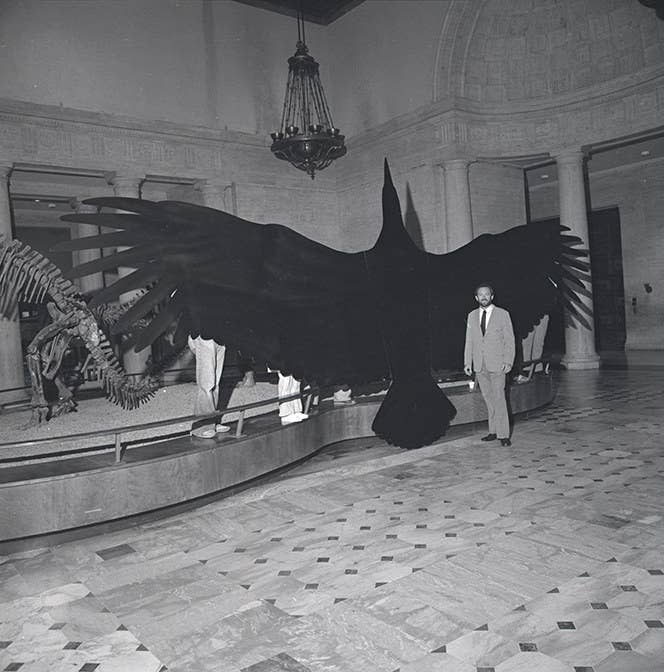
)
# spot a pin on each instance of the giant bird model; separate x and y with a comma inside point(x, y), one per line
point(393, 312)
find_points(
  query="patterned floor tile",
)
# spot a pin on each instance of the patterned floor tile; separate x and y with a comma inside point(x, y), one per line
point(460, 557)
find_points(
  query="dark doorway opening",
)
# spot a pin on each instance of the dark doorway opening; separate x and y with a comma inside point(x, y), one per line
point(608, 287)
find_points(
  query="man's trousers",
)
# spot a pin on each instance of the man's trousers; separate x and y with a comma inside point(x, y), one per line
point(286, 386)
point(492, 386)
point(209, 365)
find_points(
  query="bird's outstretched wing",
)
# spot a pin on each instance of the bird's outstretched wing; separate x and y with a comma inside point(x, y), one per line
point(286, 300)
point(533, 270)
point(391, 312)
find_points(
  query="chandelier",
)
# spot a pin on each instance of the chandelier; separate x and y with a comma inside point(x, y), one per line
point(307, 137)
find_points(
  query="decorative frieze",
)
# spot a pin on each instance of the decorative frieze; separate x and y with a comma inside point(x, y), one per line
point(453, 131)
point(35, 138)
point(506, 131)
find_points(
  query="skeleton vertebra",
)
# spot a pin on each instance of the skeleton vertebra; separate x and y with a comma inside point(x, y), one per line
point(26, 275)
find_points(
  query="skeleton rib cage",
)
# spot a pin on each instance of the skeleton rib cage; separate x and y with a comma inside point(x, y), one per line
point(27, 275)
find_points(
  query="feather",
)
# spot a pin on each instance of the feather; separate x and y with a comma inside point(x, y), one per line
point(568, 275)
point(147, 209)
point(127, 258)
point(113, 220)
point(135, 280)
point(570, 240)
point(204, 216)
point(143, 306)
point(182, 331)
point(580, 307)
point(574, 316)
point(568, 251)
point(160, 323)
point(115, 239)
point(577, 263)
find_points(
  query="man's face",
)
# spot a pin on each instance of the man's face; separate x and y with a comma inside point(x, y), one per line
point(484, 296)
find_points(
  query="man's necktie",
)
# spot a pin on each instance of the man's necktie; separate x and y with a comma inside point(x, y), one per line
point(483, 322)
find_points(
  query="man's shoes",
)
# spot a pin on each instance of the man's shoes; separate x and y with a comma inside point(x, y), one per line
point(505, 442)
point(489, 437)
point(204, 432)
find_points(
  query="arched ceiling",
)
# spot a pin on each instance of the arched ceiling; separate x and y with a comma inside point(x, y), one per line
point(502, 52)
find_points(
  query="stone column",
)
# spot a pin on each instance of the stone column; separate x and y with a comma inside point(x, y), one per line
point(458, 217)
point(88, 283)
point(11, 352)
point(579, 340)
point(129, 187)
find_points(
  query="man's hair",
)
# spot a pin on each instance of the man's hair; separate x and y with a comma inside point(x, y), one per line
point(488, 285)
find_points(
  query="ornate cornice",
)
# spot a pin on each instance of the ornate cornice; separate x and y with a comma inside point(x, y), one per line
point(459, 127)
point(448, 128)
point(50, 136)
point(52, 114)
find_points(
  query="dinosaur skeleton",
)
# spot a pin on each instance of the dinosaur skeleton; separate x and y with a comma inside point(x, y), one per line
point(26, 275)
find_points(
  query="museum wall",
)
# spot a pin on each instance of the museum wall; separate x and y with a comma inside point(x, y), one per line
point(214, 64)
point(497, 196)
point(638, 192)
point(379, 61)
point(420, 192)
point(494, 55)
point(190, 90)
point(186, 91)
point(490, 82)
point(497, 202)
point(384, 57)
point(389, 71)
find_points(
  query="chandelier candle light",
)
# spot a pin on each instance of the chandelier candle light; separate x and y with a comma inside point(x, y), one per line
point(307, 137)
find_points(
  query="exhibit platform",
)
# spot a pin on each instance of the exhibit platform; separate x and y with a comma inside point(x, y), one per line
point(68, 483)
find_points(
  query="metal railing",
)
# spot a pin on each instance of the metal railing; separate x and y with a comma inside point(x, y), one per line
point(118, 432)
point(526, 370)
point(309, 393)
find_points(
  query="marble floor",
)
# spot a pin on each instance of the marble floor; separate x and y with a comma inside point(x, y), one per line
point(547, 556)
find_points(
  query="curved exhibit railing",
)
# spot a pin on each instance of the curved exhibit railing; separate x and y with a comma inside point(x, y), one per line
point(29, 450)
point(43, 492)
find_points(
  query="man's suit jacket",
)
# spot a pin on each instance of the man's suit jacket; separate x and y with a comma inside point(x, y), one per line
point(495, 348)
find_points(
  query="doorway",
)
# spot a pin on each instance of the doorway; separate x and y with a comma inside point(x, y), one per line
point(608, 286)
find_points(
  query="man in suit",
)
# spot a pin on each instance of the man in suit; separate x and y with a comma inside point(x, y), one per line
point(489, 352)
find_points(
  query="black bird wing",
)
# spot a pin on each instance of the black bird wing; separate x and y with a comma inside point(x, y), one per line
point(390, 312)
point(284, 299)
point(533, 269)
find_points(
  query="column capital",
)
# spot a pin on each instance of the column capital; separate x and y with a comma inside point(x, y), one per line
point(459, 163)
point(213, 192)
point(453, 155)
point(5, 170)
point(77, 205)
point(570, 155)
point(124, 183)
